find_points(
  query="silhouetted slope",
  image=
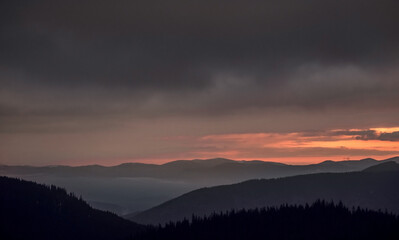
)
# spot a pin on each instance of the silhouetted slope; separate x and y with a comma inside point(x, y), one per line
point(32, 211)
point(393, 159)
point(384, 167)
point(372, 190)
point(319, 221)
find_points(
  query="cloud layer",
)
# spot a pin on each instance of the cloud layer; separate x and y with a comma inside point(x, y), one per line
point(96, 67)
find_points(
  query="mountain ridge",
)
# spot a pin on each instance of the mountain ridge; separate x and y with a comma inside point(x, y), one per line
point(132, 187)
point(196, 160)
point(389, 166)
point(196, 169)
point(374, 190)
point(35, 211)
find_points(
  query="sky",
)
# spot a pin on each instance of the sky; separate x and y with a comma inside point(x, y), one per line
point(106, 82)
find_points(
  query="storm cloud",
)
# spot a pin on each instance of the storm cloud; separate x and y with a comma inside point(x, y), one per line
point(393, 136)
point(76, 66)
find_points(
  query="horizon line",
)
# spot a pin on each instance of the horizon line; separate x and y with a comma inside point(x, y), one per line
point(200, 159)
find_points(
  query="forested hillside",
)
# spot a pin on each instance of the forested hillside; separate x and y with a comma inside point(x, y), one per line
point(372, 189)
point(321, 220)
point(32, 211)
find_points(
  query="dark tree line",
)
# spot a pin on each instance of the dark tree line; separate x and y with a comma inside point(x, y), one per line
point(321, 220)
point(33, 211)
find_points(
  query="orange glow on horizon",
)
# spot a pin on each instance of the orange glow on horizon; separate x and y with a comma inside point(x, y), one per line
point(291, 148)
point(390, 130)
point(285, 160)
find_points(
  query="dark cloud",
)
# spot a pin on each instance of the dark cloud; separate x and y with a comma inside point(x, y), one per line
point(308, 53)
point(392, 136)
point(285, 65)
point(326, 152)
point(173, 44)
point(367, 134)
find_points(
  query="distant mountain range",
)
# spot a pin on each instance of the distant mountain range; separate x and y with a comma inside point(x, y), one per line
point(133, 187)
point(210, 171)
point(375, 187)
point(33, 211)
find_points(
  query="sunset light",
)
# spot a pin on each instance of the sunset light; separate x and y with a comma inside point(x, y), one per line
point(301, 147)
point(199, 120)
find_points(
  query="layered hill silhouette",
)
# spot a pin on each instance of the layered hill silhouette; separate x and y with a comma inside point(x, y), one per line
point(373, 188)
point(213, 171)
point(384, 167)
point(320, 220)
point(33, 211)
point(133, 187)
